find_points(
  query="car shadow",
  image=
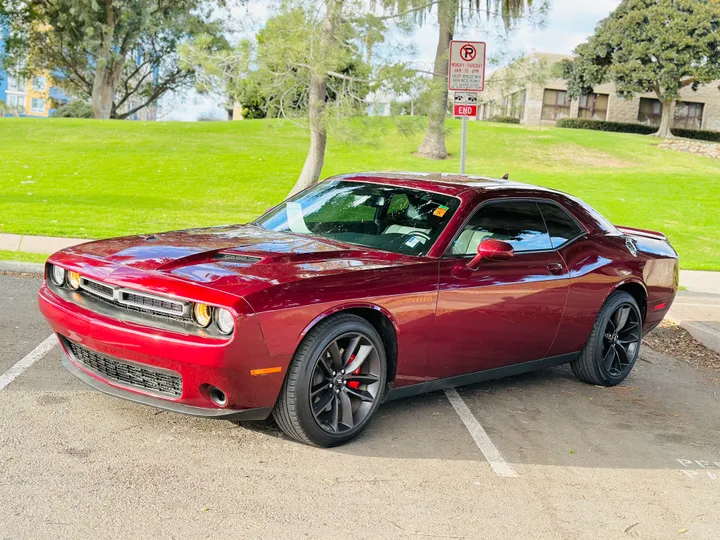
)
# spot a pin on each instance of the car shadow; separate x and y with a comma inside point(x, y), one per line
point(664, 412)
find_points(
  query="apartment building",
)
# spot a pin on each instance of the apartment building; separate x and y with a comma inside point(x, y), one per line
point(544, 103)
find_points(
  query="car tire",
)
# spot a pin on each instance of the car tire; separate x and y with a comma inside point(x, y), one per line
point(602, 360)
point(300, 411)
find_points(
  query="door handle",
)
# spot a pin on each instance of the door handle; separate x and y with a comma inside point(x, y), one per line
point(555, 268)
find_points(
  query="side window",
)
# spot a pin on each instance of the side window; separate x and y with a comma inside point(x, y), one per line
point(518, 223)
point(561, 226)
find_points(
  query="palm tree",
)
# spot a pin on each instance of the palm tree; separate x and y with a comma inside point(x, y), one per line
point(449, 13)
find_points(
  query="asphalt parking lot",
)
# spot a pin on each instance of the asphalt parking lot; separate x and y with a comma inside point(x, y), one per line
point(641, 460)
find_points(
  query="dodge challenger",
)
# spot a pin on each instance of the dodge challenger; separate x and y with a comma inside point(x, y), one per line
point(362, 288)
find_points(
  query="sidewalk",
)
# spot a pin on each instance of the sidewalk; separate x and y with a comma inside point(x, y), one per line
point(36, 244)
point(699, 314)
point(700, 282)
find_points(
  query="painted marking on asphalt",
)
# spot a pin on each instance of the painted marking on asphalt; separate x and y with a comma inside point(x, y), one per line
point(489, 450)
point(33, 356)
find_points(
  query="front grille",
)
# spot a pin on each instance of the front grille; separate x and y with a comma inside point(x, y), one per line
point(98, 288)
point(136, 301)
point(152, 303)
point(139, 376)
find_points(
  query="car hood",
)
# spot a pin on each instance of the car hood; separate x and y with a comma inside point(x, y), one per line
point(232, 258)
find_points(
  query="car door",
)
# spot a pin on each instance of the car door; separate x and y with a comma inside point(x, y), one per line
point(505, 312)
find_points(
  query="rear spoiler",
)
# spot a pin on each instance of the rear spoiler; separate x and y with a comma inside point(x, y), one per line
point(641, 232)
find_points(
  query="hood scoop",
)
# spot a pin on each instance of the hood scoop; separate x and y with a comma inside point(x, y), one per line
point(235, 258)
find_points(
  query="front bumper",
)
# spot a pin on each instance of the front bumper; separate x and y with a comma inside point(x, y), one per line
point(260, 413)
point(200, 361)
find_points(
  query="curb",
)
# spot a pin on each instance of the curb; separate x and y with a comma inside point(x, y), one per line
point(703, 333)
point(22, 267)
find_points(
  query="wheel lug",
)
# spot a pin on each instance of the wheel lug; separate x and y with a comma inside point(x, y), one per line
point(345, 383)
point(342, 371)
point(330, 385)
point(337, 391)
point(334, 373)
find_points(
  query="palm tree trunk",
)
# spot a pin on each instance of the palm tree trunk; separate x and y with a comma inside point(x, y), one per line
point(433, 145)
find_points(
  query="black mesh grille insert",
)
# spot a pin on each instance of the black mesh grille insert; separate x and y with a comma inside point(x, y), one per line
point(153, 302)
point(98, 287)
point(135, 375)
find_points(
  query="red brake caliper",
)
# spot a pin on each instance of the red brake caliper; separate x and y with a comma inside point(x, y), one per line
point(354, 384)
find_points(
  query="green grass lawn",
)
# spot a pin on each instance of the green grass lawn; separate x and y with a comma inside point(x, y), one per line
point(22, 257)
point(86, 178)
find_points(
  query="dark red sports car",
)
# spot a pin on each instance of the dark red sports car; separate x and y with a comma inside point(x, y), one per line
point(363, 288)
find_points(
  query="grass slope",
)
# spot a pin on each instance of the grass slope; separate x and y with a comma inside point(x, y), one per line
point(87, 178)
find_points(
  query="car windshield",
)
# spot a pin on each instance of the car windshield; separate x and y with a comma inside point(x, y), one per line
point(389, 218)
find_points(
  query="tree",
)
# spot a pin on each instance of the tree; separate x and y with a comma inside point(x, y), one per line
point(310, 61)
point(119, 54)
point(659, 46)
point(450, 13)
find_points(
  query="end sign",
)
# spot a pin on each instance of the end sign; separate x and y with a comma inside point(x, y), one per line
point(466, 69)
point(465, 104)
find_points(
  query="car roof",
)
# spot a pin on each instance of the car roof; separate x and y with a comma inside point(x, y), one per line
point(445, 183)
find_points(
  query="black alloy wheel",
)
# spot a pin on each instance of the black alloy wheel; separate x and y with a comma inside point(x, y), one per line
point(614, 343)
point(345, 383)
point(621, 339)
point(335, 382)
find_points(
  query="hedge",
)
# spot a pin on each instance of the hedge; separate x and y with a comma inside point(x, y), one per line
point(713, 136)
point(504, 119)
point(598, 125)
point(621, 127)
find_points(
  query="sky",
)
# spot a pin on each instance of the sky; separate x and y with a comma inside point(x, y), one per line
point(567, 24)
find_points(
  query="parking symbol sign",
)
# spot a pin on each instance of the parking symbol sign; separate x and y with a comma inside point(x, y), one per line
point(466, 69)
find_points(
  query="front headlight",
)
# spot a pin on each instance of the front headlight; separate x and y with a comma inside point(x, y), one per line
point(225, 321)
point(73, 280)
point(57, 275)
point(203, 314)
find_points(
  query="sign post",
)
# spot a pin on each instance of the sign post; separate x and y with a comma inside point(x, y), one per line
point(466, 77)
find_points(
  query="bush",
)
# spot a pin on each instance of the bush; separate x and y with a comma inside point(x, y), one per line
point(620, 127)
point(598, 125)
point(713, 136)
point(74, 109)
point(504, 119)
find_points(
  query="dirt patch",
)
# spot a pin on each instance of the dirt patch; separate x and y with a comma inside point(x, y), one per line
point(672, 340)
point(576, 155)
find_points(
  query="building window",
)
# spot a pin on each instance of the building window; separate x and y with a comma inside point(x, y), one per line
point(555, 105)
point(593, 106)
point(37, 105)
point(39, 84)
point(17, 103)
point(650, 111)
point(16, 83)
point(688, 115)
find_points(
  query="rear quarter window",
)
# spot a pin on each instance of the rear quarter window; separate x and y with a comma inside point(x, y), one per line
point(561, 226)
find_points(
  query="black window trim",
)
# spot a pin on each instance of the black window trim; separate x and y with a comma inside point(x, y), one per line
point(583, 229)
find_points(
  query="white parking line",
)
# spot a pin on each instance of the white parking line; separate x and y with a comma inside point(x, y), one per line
point(489, 450)
point(33, 356)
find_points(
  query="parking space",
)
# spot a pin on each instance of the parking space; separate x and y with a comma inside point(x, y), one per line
point(23, 328)
point(641, 460)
